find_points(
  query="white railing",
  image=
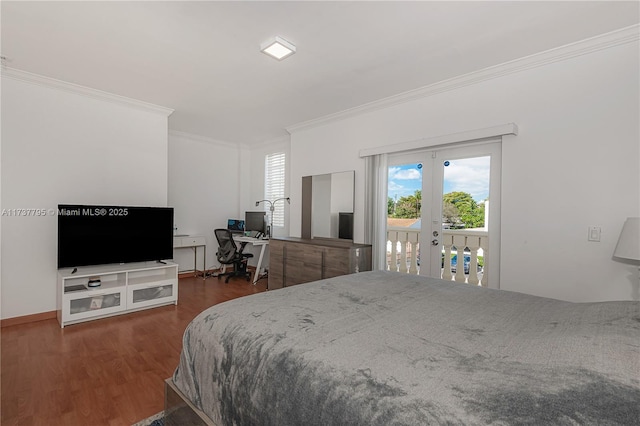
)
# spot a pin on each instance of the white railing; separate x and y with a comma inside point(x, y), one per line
point(408, 241)
point(403, 253)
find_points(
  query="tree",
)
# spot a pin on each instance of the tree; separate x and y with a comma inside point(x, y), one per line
point(390, 206)
point(470, 214)
point(408, 207)
point(450, 214)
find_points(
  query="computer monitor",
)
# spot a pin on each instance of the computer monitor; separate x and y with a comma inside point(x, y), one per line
point(235, 225)
point(255, 221)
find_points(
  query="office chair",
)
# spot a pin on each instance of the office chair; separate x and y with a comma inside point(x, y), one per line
point(229, 254)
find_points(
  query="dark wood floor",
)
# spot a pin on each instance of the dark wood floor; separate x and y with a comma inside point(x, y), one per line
point(104, 372)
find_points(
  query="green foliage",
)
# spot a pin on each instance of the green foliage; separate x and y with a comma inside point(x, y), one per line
point(469, 213)
point(450, 214)
point(406, 207)
point(458, 208)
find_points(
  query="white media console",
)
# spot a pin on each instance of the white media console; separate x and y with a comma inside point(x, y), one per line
point(123, 288)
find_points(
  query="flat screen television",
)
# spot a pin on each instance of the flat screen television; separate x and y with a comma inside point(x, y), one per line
point(97, 235)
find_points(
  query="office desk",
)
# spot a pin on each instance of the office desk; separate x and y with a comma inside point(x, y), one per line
point(193, 241)
point(256, 242)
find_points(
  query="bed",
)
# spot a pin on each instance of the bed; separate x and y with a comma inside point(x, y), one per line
point(384, 348)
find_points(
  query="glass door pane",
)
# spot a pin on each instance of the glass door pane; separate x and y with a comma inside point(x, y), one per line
point(405, 212)
point(465, 212)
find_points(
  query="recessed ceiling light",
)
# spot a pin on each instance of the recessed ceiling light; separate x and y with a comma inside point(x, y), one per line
point(278, 48)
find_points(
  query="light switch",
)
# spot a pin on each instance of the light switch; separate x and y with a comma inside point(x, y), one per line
point(594, 233)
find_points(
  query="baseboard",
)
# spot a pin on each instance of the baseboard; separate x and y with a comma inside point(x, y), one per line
point(198, 273)
point(188, 274)
point(26, 319)
point(210, 272)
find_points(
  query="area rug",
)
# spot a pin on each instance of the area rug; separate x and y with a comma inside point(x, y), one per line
point(155, 420)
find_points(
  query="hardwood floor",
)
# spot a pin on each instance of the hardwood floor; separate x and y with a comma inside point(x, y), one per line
point(103, 372)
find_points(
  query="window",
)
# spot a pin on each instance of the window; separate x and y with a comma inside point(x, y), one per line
point(274, 167)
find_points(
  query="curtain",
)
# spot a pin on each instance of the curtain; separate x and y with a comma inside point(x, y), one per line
point(375, 216)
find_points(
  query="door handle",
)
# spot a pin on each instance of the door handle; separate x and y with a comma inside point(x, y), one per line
point(435, 242)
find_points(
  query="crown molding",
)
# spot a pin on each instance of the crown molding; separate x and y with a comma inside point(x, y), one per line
point(205, 139)
point(604, 41)
point(49, 82)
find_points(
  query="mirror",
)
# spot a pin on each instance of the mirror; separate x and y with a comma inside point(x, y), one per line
point(327, 205)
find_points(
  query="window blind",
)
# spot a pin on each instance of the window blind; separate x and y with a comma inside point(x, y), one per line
point(274, 184)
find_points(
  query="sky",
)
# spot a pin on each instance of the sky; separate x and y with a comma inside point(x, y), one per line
point(469, 175)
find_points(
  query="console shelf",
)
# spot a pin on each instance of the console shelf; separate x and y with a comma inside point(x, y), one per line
point(123, 289)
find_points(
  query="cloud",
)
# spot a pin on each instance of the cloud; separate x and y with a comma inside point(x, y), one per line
point(469, 175)
point(394, 186)
point(404, 174)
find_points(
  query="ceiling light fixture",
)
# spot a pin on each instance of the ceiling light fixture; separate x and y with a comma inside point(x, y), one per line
point(278, 48)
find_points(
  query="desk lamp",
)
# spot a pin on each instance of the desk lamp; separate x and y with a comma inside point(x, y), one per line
point(271, 209)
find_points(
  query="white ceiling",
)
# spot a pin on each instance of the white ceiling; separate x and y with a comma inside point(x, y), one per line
point(202, 58)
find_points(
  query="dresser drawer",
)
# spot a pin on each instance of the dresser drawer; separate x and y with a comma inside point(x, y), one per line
point(155, 293)
point(93, 303)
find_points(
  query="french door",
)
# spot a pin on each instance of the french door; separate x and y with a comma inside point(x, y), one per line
point(443, 216)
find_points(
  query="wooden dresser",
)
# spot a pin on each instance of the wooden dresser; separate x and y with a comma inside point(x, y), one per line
point(298, 260)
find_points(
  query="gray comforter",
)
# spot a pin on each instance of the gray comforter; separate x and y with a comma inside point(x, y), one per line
point(382, 348)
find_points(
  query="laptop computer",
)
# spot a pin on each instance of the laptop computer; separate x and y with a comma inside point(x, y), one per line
point(235, 225)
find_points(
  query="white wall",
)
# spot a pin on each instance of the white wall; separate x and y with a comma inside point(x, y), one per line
point(204, 189)
point(211, 181)
point(64, 147)
point(575, 163)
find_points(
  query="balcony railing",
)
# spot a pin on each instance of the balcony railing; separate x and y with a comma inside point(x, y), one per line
point(403, 253)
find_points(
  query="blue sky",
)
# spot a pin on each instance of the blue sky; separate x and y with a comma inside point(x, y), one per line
point(468, 175)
